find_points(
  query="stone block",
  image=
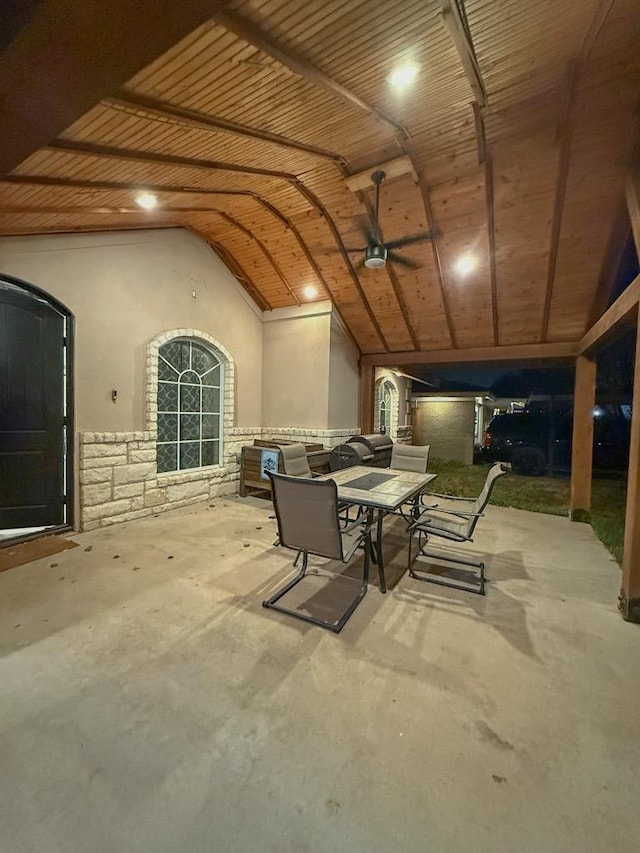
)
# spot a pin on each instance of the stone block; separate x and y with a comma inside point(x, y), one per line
point(137, 502)
point(144, 454)
point(126, 516)
point(155, 497)
point(181, 491)
point(130, 490)
point(106, 509)
point(96, 494)
point(89, 476)
point(103, 461)
point(134, 473)
point(91, 451)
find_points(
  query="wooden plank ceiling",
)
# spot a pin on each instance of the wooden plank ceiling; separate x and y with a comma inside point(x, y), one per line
point(516, 136)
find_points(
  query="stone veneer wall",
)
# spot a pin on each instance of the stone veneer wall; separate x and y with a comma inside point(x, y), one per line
point(405, 434)
point(119, 480)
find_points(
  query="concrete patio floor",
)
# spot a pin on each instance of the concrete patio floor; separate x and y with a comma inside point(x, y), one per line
point(149, 703)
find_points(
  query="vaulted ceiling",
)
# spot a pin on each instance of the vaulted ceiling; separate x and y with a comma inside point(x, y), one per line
point(257, 123)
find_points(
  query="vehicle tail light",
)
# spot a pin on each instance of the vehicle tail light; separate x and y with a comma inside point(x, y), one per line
point(486, 439)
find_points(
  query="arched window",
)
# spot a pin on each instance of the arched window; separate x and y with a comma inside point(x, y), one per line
point(385, 409)
point(190, 399)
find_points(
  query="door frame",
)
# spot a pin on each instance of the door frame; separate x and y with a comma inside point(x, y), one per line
point(69, 473)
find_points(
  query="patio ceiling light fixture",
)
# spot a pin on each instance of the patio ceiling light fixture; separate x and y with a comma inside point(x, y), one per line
point(465, 265)
point(403, 76)
point(310, 291)
point(147, 200)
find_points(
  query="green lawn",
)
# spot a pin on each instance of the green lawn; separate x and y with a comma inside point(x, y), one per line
point(541, 494)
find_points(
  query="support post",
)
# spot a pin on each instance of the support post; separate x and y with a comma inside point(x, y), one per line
point(630, 591)
point(367, 379)
point(582, 443)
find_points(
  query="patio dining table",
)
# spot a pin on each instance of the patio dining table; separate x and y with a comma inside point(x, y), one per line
point(381, 491)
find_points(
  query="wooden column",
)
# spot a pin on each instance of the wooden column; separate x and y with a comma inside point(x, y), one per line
point(582, 444)
point(367, 380)
point(630, 592)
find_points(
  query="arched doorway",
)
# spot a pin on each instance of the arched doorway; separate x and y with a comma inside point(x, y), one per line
point(36, 411)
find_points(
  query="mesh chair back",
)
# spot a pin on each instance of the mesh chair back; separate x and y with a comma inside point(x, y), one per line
point(307, 513)
point(410, 457)
point(482, 500)
point(294, 460)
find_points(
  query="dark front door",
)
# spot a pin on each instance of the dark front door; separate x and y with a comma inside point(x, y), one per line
point(32, 411)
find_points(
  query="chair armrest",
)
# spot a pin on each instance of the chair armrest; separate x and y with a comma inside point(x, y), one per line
point(425, 522)
point(448, 497)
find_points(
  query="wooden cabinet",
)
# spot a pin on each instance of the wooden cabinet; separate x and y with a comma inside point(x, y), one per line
point(264, 452)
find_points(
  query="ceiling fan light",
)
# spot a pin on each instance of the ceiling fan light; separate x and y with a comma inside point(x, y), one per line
point(375, 257)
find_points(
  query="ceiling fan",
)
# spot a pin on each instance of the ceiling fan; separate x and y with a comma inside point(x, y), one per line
point(377, 252)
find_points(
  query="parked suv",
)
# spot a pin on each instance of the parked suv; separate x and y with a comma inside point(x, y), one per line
point(536, 443)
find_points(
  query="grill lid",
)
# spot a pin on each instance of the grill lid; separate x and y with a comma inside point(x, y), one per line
point(375, 443)
point(347, 455)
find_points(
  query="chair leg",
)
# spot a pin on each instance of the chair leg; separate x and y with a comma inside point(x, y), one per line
point(338, 626)
point(476, 564)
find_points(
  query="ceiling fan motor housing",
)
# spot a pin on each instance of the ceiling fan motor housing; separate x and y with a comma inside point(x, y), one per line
point(375, 256)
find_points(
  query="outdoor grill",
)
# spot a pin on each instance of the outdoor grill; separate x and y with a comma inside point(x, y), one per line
point(348, 455)
point(379, 445)
point(373, 450)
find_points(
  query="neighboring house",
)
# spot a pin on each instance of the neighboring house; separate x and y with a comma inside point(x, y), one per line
point(452, 424)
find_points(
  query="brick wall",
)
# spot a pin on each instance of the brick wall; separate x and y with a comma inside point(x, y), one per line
point(448, 427)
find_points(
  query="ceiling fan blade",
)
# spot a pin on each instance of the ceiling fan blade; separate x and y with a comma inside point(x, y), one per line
point(407, 241)
point(404, 262)
point(364, 226)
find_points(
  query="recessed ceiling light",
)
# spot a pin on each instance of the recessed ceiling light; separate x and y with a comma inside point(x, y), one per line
point(310, 291)
point(147, 200)
point(465, 265)
point(403, 76)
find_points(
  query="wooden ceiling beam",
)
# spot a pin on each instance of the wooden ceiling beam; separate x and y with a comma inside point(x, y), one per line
point(491, 229)
point(47, 181)
point(461, 38)
point(113, 153)
point(252, 34)
point(132, 102)
point(70, 54)
point(623, 310)
point(521, 352)
point(79, 209)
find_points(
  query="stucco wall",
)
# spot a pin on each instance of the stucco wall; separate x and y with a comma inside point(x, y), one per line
point(295, 371)
point(124, 289)
point(344, 379)
point(447, 426)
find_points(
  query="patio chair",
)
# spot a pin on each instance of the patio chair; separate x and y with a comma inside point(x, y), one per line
point(294, 460)
point(455, 521)
point(296, 464)
point(410, 457)
point(308, 522)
